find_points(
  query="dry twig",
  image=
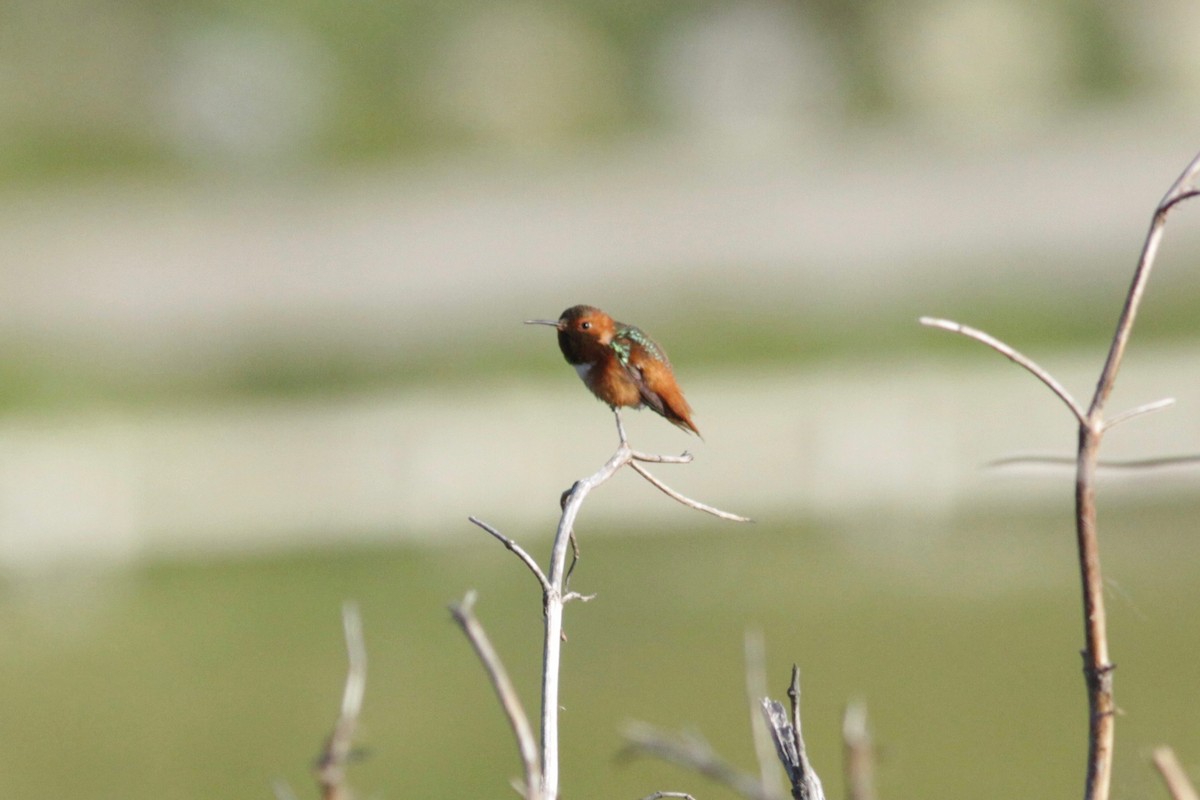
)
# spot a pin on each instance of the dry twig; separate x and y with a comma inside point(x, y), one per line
point(692, 752)
point(687, 501)
point(555, 595)
point(1103, 464)
point(858, 753)
point(331, 764)
point(1173, 775)
point(756, 689)
point(1098, 668)
point(789, 743)
point(516, 550)
point(1012, 355)
point(464, 615)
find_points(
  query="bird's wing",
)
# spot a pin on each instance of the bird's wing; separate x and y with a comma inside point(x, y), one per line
point(637, 352)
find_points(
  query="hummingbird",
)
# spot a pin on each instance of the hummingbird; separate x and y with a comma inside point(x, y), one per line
point(620, 364)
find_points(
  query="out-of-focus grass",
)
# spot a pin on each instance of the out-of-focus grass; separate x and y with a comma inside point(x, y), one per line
point(208, 679)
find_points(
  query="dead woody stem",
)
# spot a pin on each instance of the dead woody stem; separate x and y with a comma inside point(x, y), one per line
point(789, 743)
point(1097, 668)
point(331, 764)
point(1173, 775)
point(555, 595)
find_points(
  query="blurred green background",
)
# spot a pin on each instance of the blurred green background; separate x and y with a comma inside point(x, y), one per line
point(262, 272)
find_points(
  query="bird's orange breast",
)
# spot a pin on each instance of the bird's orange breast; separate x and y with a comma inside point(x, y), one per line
point(608, 381)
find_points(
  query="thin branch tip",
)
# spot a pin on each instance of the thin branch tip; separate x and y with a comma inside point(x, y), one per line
point(465, 607)
point(506, 694)
point(330, 766)
point(516, 550)
point(1179, 785)
point(683, 499)
point(1138, 411)
point(937, 322)
point(691, 752)
point(1015, 356)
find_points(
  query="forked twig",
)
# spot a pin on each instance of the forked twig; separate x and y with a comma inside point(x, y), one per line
point(1098, 668)
point(572, 501)
point(1182, 189)
point(555, 599)
point(464, 615)
point(555, 595)
point(331, 764)
point(789, 743)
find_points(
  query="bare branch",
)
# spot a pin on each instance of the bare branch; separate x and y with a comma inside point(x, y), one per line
point(464, 615)
point(1031, 460)
point(1173, 776)
point(783, 734)
point(1182, 189)
point(1146, 408)
point(1097, 666)
point(1150, 463)
point(552, 640)
point(1103, 464)
point(687, 501)
point(1014, 356)
point(516, 549)
point(859, 753)
point(620, 428)
point(692, 752)
point(555, 595)
point(331, 764)
point(651, 458)
point(756, 687)
point(574, 557)
point(356, 654)
point(789, 743)
point(659, 795)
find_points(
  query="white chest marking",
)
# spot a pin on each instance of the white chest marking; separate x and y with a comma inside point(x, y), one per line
point(582, 370)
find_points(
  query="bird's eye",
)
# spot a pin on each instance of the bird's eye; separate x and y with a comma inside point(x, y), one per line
point(586, 325)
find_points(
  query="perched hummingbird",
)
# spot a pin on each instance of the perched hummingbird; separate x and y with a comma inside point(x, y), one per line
point(620, 364)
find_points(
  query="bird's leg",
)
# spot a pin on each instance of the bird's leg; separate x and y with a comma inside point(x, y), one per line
point(620, 427)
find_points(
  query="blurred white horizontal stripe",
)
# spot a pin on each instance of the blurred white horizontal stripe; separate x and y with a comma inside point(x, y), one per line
point(882, 439)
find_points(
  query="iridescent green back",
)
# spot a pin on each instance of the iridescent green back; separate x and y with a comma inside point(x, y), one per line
point(627, 336)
